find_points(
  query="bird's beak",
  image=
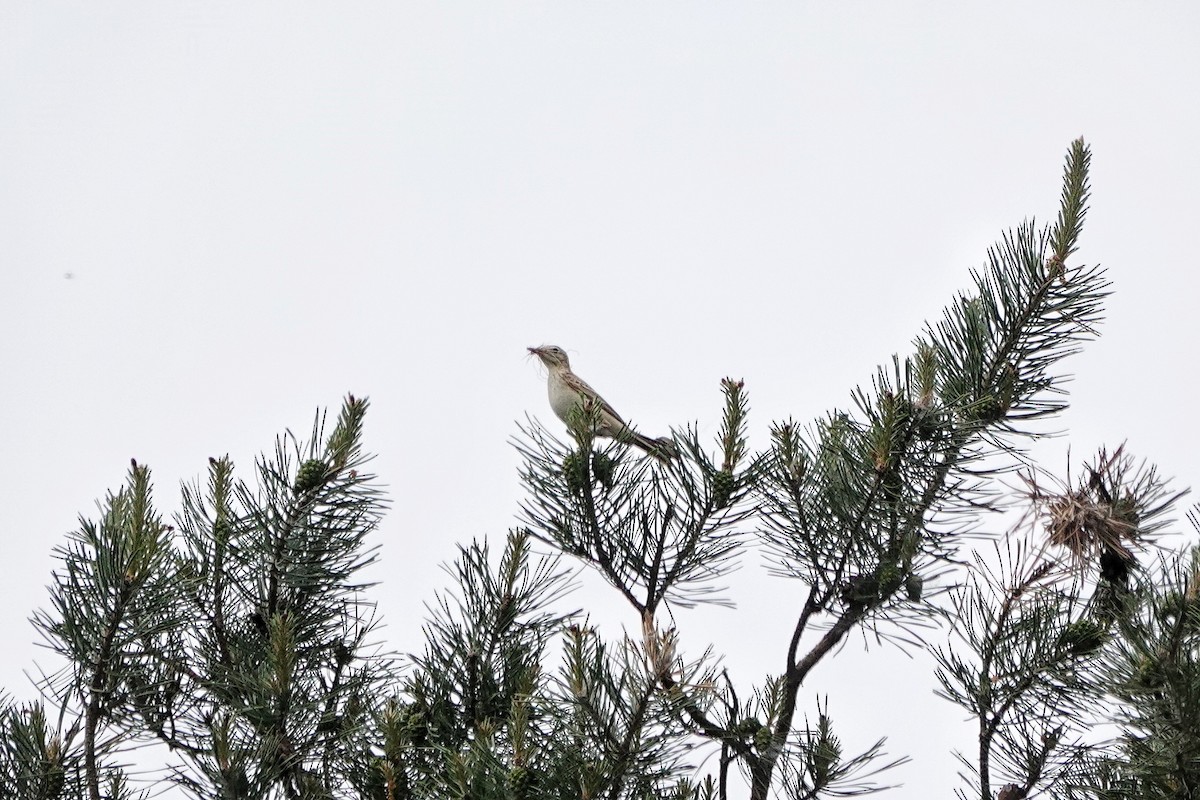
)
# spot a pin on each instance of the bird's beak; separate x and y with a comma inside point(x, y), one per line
point(537, 351)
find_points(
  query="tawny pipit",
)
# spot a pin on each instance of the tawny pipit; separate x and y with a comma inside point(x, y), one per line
point(569, 392)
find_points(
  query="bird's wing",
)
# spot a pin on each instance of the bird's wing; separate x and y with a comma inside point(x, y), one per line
point(580, 386)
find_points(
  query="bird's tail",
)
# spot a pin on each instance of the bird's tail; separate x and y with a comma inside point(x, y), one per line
point(662, 448)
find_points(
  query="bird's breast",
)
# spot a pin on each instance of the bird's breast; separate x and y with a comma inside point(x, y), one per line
point(562, 397)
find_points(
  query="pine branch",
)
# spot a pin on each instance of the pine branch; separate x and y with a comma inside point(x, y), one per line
point(862, 493)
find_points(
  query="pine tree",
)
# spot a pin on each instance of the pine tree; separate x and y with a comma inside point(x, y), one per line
point(239, 636)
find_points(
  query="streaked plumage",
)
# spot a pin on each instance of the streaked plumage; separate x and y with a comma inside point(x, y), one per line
point(568, 391)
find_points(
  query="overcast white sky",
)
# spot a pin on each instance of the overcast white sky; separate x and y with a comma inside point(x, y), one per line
point(217, 217)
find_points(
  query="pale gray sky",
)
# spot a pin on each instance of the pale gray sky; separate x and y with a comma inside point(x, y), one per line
point(216, 217)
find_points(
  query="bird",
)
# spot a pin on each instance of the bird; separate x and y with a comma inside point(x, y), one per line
point(569, 394)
